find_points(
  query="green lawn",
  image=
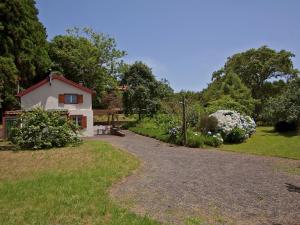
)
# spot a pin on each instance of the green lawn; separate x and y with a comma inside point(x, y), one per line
point(118, 117)
point(153, 132)
point(267, 142)
point(64, 186)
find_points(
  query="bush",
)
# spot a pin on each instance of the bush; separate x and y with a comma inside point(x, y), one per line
point(208, 123)
point(213, 140)
point(193, 114)
point(285, 107)
point(166, 121)
point(129, 124)
point(232, 125)
point(195, 140)
point(174, 133)
point(151, 128)
point(39, 129)
point(236, 135)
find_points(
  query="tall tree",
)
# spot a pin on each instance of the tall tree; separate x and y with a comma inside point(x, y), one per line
point(88, 57)
point(23, 44)
point(286, 106)
point(228, 92)
point(256, 67)
point(8, 80)
point(144, 93)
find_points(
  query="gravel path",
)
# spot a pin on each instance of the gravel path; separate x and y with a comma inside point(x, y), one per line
point(181, 185)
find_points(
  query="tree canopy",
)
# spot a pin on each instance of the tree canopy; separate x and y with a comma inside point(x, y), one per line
point(264, 71)
point(88, 57)
point(23, 46)
point(285, 107)
point(8, 81)
point(256, 66)
point(228, 92)
point(144, 92)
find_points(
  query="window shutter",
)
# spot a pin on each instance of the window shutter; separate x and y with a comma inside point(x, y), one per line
point(61, 98)
point(84, 122)
point(79, 99)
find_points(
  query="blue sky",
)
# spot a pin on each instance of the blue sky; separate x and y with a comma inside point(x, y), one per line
point(183, 41)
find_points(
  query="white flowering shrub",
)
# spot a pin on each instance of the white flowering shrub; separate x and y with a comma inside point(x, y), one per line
point(174, 134)
point(40, 129)
point(233, 126)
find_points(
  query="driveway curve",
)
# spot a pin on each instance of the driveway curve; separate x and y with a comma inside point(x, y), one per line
point(180, 185)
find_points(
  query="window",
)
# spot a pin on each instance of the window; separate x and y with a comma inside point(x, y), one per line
point(71, 99)
point(77, 119)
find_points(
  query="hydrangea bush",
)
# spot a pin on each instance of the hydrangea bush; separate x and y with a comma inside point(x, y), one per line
point(174, 134)
point(233, 126)
point(40, 129)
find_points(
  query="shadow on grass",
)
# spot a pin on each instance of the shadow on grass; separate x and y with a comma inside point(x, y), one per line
point(284, 134)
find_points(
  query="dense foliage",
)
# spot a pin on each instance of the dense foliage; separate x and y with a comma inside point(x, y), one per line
point(144, 93)
point(23, 47)
point(167, 128)
point(256, 66)
point(259, 69)
point(232, 126)
point(39, 129)
point(88, 57)
point(285, 107)
point(8, 80)
point(228, 92)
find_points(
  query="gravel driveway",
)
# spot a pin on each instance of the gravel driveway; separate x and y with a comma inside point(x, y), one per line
point(180, 185)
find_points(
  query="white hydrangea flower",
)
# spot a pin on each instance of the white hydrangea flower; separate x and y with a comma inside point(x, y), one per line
point(229, 119)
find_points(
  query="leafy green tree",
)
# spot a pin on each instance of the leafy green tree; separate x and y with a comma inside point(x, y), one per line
point(144, 93)
point(23, 44)
point(256, 66)
point(8, 82)
point(172, 104)
point(228, 92)
point(285, 107)
point(88, 57)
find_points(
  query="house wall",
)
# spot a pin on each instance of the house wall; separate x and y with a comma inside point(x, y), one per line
point(46, 96)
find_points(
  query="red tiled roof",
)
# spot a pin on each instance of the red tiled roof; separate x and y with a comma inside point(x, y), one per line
point(55, 77)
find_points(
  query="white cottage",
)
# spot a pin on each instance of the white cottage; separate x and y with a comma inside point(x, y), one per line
point(58, 93)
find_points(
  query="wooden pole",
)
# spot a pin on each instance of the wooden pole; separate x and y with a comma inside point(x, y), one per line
point(184, 132)
point(113, 119)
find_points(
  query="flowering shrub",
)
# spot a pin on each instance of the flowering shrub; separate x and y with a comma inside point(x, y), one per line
point(208, 123)
point(166, 121)
point(38, 129)
point(214, 140)
point(237, 135)
point(233, 126)
point(174, 134)
point(195, 140)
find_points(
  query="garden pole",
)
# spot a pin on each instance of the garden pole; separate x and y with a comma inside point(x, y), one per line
point(184, 121)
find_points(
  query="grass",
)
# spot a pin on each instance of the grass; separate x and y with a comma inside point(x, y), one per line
point(150, 128)
point(150, 131)
point(118, 117)
point(64, 186)
point(264, 142)
point(269, 143)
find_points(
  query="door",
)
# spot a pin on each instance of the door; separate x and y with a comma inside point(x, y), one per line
point(9, 124)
